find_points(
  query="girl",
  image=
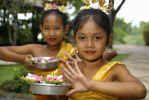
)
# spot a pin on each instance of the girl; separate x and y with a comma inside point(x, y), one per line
point(94, 78)
point(54, 26)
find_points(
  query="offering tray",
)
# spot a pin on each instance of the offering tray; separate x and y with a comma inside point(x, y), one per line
point(50, 89)
point(45, 62)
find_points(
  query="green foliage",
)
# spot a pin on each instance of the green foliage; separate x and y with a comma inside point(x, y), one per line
point(124, 33)
point(134, 39)
point(25, 35)
point(145, 32)
point(21, 72)
point(77, 4)
point(120, 23)
point(145, 26)
point(119, 34)
point(15, 84)
point(11, 69)
point(11, 28)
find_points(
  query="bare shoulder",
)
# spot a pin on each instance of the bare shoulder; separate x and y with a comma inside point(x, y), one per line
point(122, 74)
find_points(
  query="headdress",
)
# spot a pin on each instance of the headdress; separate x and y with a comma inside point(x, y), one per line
point(105, 5)
point(63, 5)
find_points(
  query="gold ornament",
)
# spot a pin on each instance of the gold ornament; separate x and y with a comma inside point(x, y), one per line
point(102, 2)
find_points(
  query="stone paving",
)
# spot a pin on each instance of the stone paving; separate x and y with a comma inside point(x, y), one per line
point(137, 62)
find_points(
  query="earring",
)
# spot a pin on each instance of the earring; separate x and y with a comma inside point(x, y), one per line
point(39, 37)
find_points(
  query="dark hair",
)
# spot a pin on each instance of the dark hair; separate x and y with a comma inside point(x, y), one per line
point(99, 17)
point(64, 16)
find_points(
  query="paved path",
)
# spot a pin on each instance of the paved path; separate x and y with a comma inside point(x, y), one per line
point(137, 62)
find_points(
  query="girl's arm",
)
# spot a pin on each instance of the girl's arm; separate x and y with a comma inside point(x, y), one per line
point(126, 86)
point(15, 53)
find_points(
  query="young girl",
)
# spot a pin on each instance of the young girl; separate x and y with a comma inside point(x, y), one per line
point(54, 26)
point(94, 78)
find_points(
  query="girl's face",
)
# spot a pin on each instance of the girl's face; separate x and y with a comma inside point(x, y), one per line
point(52, 29)
point(90, 41)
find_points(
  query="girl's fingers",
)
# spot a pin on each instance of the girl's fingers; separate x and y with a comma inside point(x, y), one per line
point(70, 68)
point(77, 57)
point(28, 58)
point(70, 57)
point(68, 77)
point(77, 68)
point(67, 74)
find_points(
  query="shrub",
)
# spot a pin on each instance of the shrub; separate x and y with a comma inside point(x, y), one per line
point(17, 85)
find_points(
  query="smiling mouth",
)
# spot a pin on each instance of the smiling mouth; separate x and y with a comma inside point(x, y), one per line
point(52, 39)
point(89, 52)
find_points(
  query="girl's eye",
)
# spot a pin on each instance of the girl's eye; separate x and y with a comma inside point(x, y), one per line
point(46, 28)
point(82, 37)
point(97, 37)
point(57, 27)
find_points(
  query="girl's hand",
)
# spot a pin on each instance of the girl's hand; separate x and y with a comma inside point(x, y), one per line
point(73, 73)
point(27, 63)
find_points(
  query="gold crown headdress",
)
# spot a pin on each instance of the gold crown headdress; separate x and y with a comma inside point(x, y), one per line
point(63, 5)
point(105, 5)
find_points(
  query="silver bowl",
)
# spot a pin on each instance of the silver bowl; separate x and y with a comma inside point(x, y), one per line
point(46, 65)
point(50, 89)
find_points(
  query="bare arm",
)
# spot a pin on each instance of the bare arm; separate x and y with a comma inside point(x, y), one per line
point(15, 53)
point(123, 84)
point(126, 86)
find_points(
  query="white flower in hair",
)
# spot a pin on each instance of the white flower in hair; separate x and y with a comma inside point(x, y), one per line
point(104, 5)
point(47, 6)
point(62, 8)
point(50, 4)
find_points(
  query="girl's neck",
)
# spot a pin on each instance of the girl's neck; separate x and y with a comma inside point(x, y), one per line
point(54, 48)
point(97, 63)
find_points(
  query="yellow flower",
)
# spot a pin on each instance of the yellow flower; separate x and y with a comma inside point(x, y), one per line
point(85, 7)
point(62, 8)
point(104, 9)
point(87, 2)
point(48, 6)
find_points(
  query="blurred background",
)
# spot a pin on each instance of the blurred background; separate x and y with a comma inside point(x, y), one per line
point(19, 21)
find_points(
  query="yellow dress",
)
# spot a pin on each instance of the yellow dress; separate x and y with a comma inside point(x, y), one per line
point(101, 75)
point(65, 48)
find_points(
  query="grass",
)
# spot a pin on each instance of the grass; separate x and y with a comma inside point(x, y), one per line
point(120, 57)
point(7, 72)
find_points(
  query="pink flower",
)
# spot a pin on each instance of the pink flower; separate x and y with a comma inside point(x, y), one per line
point(34, 77)
point(49, 77)
point(54, 78)
point(52, 58)
point(54, 6)
point(61, 77)
point(38, 60)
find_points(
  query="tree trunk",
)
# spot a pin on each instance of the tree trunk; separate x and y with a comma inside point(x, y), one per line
point(146, 37)
point(112, 17)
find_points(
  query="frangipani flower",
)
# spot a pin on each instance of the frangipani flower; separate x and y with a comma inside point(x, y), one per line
point(62, 8)
point(97, 4)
